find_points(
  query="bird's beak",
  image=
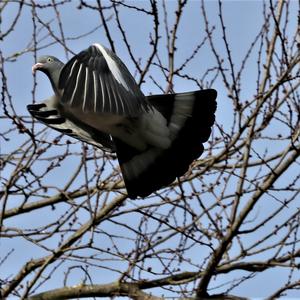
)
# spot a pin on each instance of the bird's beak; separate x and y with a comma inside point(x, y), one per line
point(37, 66)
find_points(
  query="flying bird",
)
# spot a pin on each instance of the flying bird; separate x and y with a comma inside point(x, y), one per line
point(96, 100)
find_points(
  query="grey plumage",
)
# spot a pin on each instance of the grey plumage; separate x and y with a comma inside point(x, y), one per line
point(96, 100)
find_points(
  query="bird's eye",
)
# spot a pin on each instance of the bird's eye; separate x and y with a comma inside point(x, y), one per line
point(49, 59)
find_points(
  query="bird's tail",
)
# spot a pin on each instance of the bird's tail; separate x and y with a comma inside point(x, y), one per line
point(190, 117)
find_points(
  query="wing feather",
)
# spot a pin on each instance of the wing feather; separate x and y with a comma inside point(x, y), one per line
point(75, 88)
point(96, 80)
point(96, 89)
point(104, 93)
point(86, 83)
point(52, 117)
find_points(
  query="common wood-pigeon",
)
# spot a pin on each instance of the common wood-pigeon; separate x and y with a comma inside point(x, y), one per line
point(96, 100)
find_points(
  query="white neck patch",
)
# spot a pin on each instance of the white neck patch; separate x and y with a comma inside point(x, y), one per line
point(113, 67)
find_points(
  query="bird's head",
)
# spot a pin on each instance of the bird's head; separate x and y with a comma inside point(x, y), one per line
point(51, 66)
point(47, 64)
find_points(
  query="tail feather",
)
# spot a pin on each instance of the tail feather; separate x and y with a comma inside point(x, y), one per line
point(190, 117)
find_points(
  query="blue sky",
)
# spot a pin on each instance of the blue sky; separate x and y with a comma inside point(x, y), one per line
point(243, 21)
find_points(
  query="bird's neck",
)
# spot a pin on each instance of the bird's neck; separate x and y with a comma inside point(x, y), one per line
point(54, 79)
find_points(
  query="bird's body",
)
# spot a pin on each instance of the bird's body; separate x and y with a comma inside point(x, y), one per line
point(97, 101)
point(139, 132)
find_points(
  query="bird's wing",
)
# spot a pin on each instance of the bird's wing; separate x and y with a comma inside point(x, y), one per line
point(51, 117)
point(97, 81)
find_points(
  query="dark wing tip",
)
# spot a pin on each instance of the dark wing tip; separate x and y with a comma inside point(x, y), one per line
point(213, 93)
point(35, 107)
point(44, 113)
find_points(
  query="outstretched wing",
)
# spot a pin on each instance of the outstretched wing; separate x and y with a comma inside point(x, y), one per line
point(97, 81)
point(51, 117)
